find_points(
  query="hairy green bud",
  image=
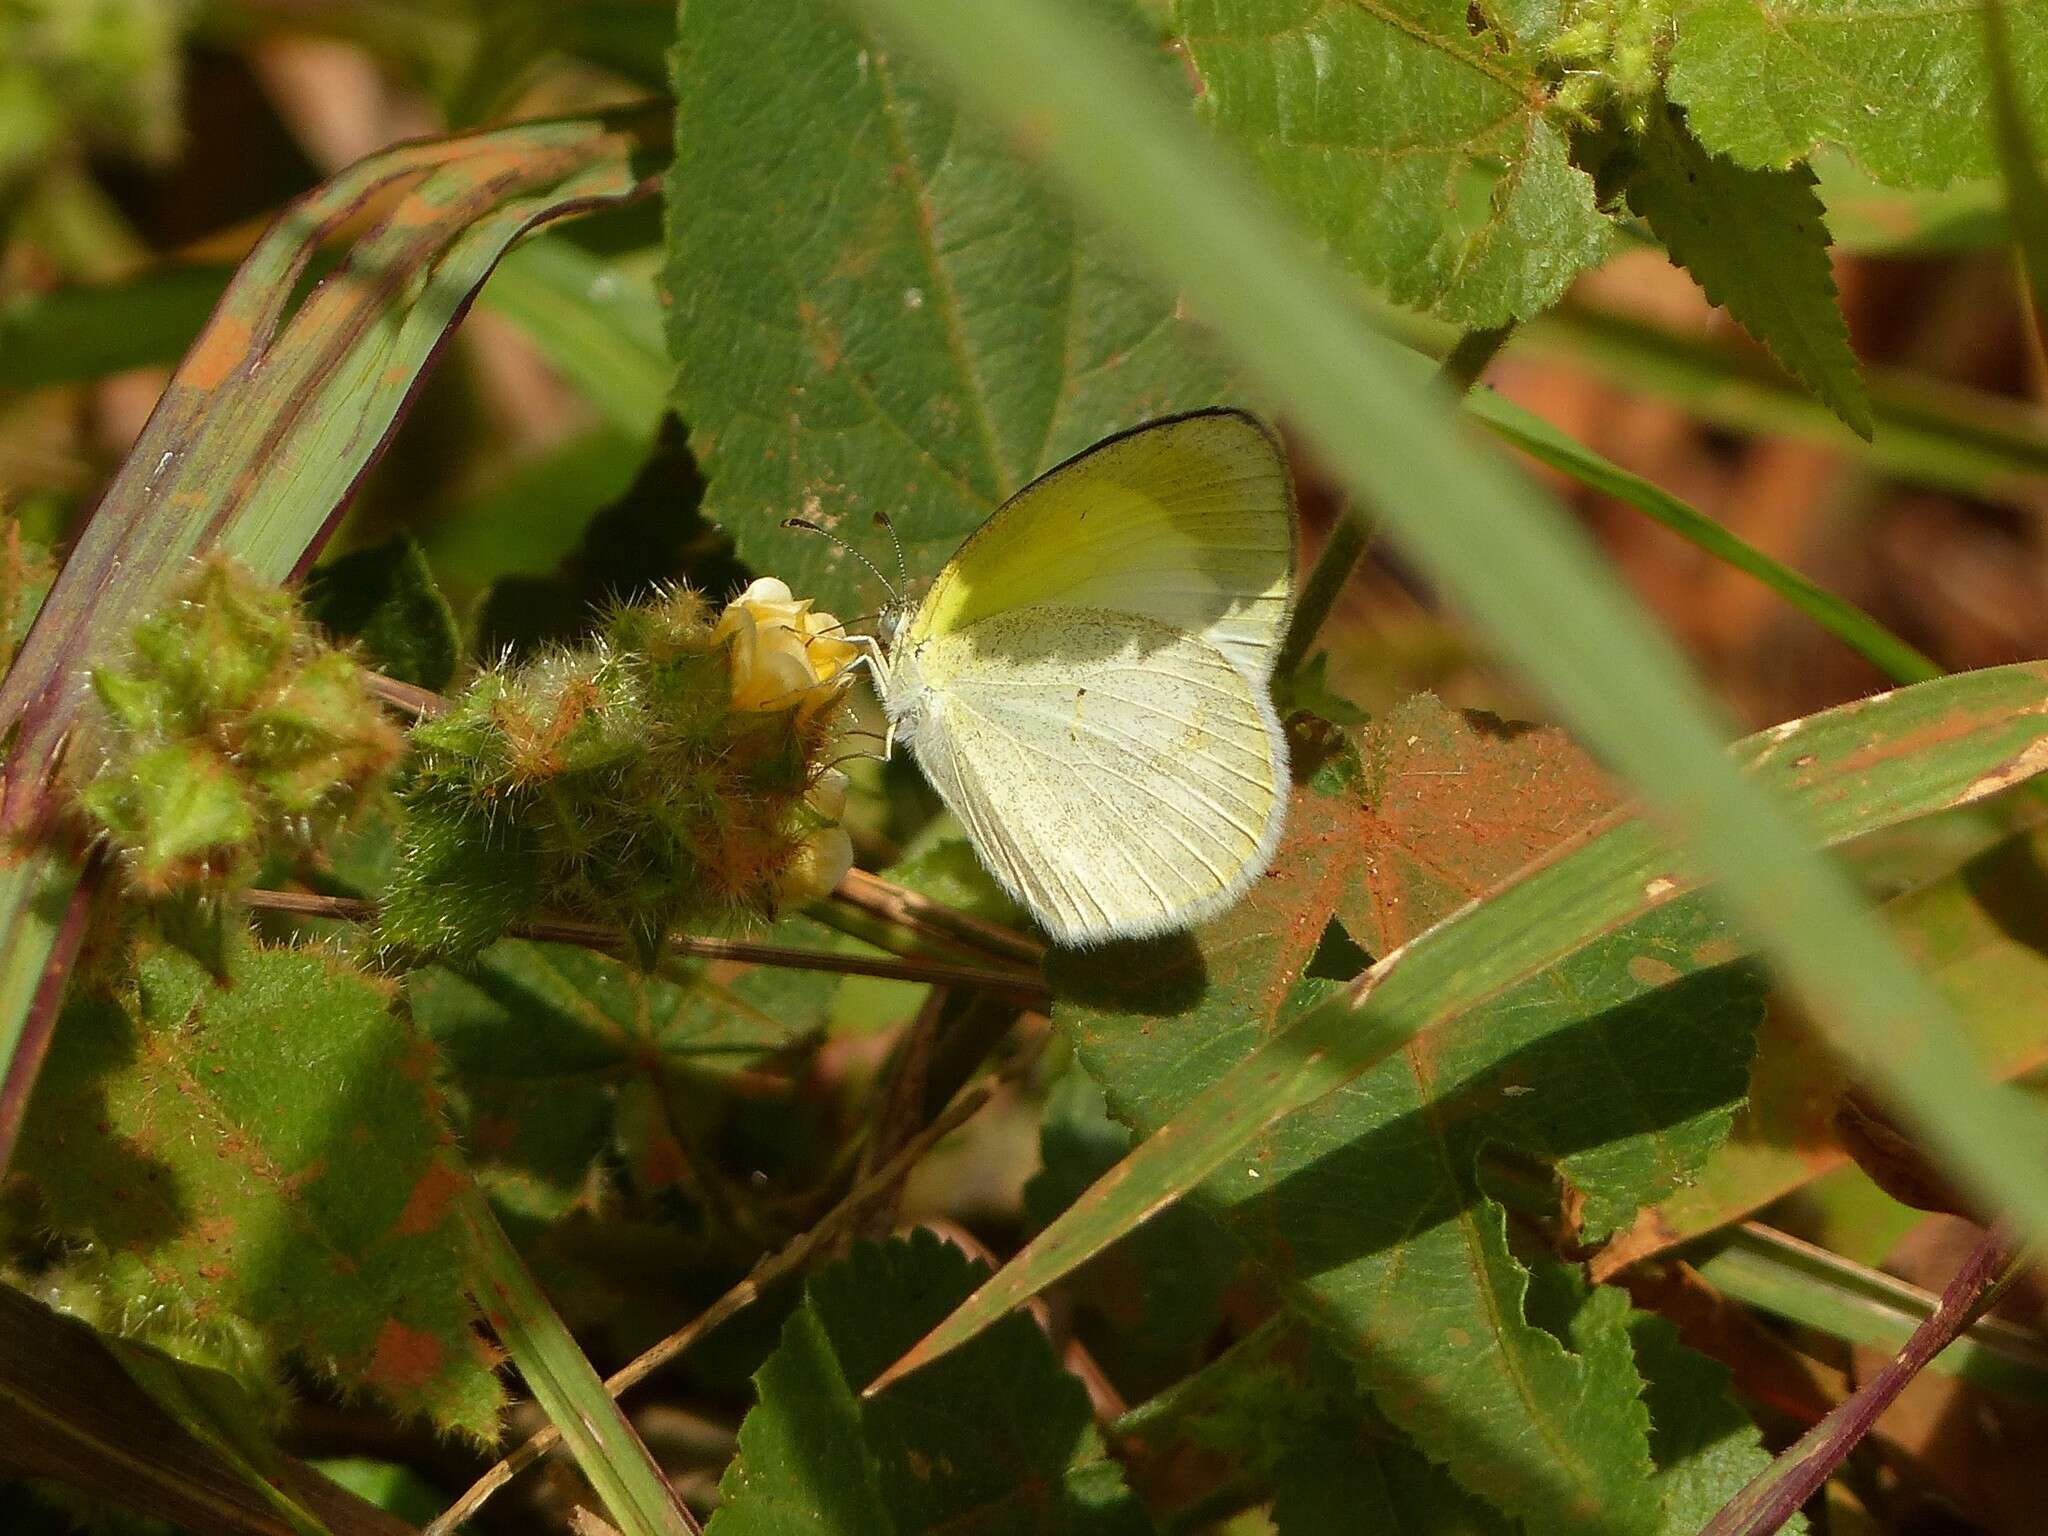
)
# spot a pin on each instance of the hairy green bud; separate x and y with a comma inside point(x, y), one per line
point(673, 771)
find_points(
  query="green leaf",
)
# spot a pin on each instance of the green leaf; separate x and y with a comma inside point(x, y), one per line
point(1757, 244)
point(1902, 88)
point(1364, 1208)
point(997, 1439)
point(1848, 771)
point(385, 597)
point(269, 1150)
point(1421, 152)
point(562, 1054)
point(1706, 1446)
point(877, 306)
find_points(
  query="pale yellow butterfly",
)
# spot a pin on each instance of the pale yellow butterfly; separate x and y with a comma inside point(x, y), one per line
point(1087, 683)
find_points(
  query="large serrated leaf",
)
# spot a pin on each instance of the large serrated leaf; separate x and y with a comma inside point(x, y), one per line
point(1848, 771)
point(1001, 1441)
point(1419, 151)
point(1901, 87)
point(270, 1150)
point(1757, 244)
point(1365, 1208)
point(563, 1054)
point(1707, 1448)
point(878, 308)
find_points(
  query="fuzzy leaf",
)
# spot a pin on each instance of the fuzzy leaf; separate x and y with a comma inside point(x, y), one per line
point(270, 1150)
point(998, 1438)
point(385, 598)
point(1620, 1066)
point(1419, 151)
point(1756, 243)
point(878, 307)
point(1707, 1448)
point(1902, 88)
point(563, 1054)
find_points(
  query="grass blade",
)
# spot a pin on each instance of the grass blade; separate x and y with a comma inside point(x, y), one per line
point(564, 1383)
point(2019, 162)
point(1928, 432)
point(596, 321)
point(1840, 618)
point(1779, 1274)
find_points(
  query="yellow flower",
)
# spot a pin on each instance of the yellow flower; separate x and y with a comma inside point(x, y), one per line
point(782, 652)
point(827, 854)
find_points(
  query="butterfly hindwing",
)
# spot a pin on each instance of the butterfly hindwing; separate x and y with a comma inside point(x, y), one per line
point(1119, 777)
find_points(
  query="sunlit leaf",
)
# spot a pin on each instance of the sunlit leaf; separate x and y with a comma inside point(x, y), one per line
point(878, 307)
point(1415, 140)
point(1902, 88)
point(1757, 245)
point(270, 1150)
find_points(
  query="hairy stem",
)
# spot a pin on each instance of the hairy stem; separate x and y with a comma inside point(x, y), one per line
point(1025, 987)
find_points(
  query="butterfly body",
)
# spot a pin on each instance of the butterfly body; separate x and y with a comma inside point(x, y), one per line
point(1086, 684)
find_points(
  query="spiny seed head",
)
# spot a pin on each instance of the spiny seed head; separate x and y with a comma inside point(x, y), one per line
point(228, 728)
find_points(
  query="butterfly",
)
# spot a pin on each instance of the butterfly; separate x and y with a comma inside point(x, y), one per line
point(1087, 681)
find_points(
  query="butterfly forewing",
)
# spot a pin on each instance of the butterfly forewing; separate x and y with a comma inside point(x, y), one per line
point(1188, 521)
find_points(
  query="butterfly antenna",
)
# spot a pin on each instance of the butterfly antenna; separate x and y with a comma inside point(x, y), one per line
point(902, 565)
point(810, 527)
